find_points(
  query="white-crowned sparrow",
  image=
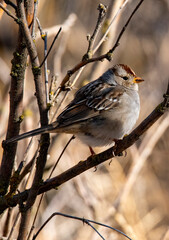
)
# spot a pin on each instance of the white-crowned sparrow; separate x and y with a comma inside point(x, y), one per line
point(101, 111)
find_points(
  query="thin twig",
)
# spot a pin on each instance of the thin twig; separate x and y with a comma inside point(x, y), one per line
point(7, 222)
point(51, 46)
point(44, 38)
point(8, 2)
point(124, 28)
point(34, 18)
point(65, 147)
point(40, 28)
point(102, 13)
point(88, 223)
point(59, 105)
point(25, 171)
point(28, 167)
point(41, 198)
point(110, 25)
point(9, 13)
point(66, 93)
point(13, 226)
point(107, 56)
point(66, 26)
point(46, 70)
point(84, 220)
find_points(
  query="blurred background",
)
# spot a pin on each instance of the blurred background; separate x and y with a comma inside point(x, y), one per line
point(129, 193)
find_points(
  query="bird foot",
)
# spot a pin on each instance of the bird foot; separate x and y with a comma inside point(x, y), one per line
point(115, 145)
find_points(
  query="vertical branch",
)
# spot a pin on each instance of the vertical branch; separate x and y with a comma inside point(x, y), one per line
point(40, 94)
point(102, 14)
point(34, 18)
point(7, 222)
point(16, 96)
point(35, 64)
point(29, 10)
point(45, 70)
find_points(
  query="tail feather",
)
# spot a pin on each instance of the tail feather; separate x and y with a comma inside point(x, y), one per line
point(32, 133)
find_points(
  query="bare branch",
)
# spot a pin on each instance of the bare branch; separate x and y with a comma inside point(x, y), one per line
point(68, 23)
point(84, 220)
point(107, 56)
point(124, 28)
point(34, 18)
point(8, 2)
point(51, 46)
point(102, 14)
point(41, 160)
point(9, 13)
point(109, 27)
point(53, 169)
point(95, 160)
point(16, 95)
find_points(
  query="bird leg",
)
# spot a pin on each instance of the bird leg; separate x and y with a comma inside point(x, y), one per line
point(92, 151)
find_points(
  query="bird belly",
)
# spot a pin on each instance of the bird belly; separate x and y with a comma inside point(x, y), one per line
point(102, 130)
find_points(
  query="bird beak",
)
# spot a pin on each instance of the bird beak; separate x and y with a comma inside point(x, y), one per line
point(138, 80)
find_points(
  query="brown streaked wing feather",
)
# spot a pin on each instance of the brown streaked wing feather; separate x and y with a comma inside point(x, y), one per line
point(89, 100)
point(75, 114)
point(106, 99)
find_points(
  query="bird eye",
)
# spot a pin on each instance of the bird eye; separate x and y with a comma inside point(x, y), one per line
point(125, 78)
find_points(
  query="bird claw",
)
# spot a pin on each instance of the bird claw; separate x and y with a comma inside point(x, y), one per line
point(115, 145)
point(110, 162)
point(95, 169)
point(122, 154)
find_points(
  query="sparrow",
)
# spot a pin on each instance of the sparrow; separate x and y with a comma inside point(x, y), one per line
point(101, 112)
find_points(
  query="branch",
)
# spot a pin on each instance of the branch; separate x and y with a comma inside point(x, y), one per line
point(9, 13)
point(95, 160)
point(102, 14)
point(84, 220)
point(34, 18)
point(109, 27)
point(8, 2)
point(124, 28)
point(107, 56)
point(66, 26)
point(41, 160)
point(41, 198)
point(51, 46)
point(16, 96)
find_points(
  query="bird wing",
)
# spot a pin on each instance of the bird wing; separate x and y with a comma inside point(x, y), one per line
point(89, 101)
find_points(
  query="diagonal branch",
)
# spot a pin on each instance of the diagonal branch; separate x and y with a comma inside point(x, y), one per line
point(95, 160)
point(125, 26)
point(9, 13)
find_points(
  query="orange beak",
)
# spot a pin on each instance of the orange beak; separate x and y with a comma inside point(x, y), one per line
point(138, 80)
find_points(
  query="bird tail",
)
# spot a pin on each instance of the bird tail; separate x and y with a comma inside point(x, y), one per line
point(32, 133)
